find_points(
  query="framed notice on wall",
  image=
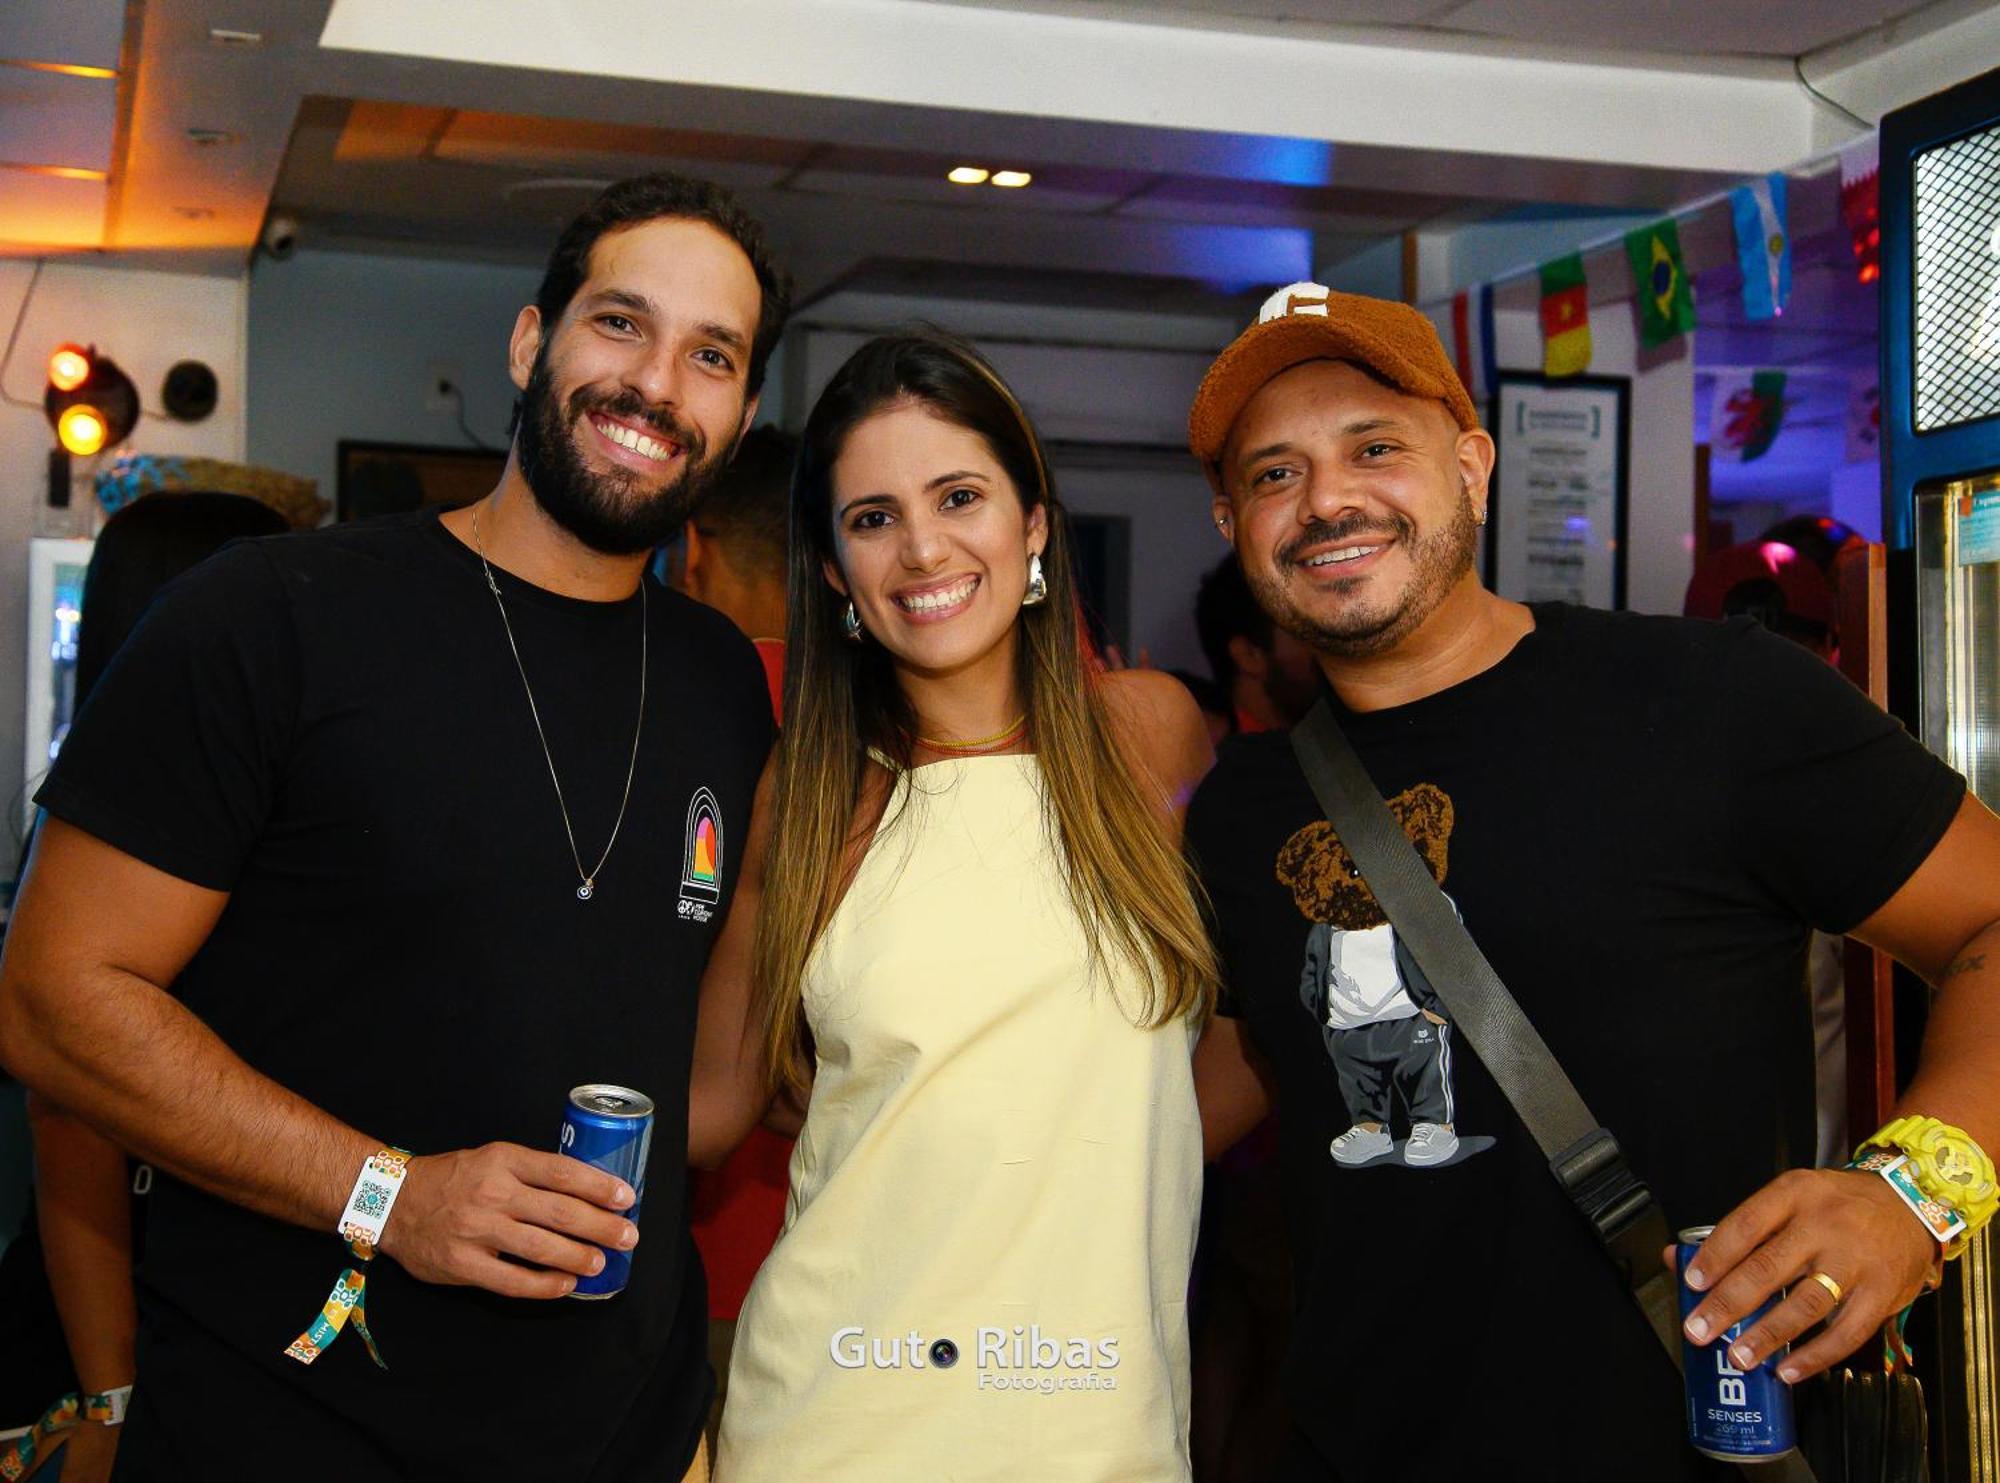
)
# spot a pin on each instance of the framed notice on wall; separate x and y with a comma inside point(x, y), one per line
point(1555, 528)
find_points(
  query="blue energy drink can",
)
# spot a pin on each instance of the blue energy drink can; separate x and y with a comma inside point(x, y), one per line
point(1733, 1415)
point(610, 1128)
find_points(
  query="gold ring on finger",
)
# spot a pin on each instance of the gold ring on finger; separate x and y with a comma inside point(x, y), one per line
point(1832, 1287)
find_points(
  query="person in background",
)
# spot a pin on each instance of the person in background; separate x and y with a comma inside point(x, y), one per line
point(1268, 675)
point(1639, 819)
point(733, 554)
point(977, 947)
point(1781, 588)
point(372, 844)
point(735, 562)
point(1770, 582)
point(1821, 539)
point(1216, 711)
point(1243, 1274)
point(75, 1258)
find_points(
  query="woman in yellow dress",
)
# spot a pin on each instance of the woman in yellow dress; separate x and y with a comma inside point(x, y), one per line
point(978, 963)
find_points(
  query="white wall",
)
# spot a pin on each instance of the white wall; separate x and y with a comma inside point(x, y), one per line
point(145, 321)
point(345, 346)
point(1660, 527)
point(342, 345)
point(1484, 250)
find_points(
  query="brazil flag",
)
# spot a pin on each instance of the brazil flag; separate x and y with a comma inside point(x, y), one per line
point(1666, 302)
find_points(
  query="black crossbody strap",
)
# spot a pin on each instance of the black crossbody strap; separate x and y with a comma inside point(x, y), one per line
point(1583, 1156)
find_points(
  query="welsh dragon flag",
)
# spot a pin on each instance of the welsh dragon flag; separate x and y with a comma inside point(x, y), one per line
point(1746, 415)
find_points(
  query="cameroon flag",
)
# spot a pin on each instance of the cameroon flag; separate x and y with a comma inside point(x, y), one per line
point(1666, 303)
point(1565, 317)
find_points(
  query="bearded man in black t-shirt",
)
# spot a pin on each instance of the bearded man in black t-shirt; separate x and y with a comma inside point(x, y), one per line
point(385, 837)
point(1629, 815)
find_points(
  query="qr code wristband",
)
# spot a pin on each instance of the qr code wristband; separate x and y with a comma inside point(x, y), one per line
point(373, 1197)
point(1944, 1223)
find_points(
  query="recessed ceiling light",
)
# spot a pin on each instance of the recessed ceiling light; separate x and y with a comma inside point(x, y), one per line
point(54, 172)
point(1011, 179)
point(64, 69)
point(968, 175)
point(225, 36)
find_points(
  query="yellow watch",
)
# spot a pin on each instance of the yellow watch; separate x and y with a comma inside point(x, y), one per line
point(1946, 1165)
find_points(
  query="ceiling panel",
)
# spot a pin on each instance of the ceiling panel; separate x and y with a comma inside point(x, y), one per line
point(49, 212)
point(47, 118)
point(571, 148)
point(932, 189)
point(83, 33)
point(1771, 28)
point(1258, 203)
point(1324, 12)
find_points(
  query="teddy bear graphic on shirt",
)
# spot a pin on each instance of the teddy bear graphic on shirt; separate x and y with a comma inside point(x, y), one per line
point(1383, 1025)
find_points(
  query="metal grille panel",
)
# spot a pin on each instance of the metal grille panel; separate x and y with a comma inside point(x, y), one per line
point(1958, 282)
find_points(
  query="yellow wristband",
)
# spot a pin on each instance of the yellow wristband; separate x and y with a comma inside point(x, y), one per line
point(1949, 1172)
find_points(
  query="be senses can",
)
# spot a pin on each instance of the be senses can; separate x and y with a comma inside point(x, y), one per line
point(1733, 1415)
point(610, 1128)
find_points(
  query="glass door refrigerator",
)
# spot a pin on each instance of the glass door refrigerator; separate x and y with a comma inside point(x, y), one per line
point(1940, 267)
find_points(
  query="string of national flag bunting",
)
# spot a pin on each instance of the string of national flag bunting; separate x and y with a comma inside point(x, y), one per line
point(1748, 415)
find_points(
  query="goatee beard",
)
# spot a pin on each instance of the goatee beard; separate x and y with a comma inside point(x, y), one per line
point(611, 513)
point(1438, 562)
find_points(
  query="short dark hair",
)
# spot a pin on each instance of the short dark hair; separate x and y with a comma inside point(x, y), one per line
point(747, 507)
point(1763, 599)
point(644, 198)
point(1224, 609)
point(144, 546)
point(1818, 538)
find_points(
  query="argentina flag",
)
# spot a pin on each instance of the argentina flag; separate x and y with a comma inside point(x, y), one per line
point(1763, 246)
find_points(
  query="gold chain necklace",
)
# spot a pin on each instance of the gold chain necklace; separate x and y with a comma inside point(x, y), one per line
point(587, 879)
point(1004, 737)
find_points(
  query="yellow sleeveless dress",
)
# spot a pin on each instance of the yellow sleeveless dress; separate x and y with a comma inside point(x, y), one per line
point(984, 1266)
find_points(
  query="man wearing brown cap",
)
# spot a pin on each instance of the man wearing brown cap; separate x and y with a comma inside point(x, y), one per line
point(1620, 809)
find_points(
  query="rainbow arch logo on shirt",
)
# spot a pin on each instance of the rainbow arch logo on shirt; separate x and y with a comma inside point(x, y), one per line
point(701, 860)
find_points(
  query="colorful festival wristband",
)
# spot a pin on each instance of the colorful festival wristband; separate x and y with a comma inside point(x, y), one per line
point(107, 1407)
point(361, 1224)
point(18, 1456)
point(1946, 1224)
point(373, 1197)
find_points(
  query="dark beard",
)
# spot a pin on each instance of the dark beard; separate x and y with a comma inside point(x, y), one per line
point(613, 513)
point(1438, 561)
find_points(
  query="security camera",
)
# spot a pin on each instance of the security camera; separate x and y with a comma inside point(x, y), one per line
point(281, 237)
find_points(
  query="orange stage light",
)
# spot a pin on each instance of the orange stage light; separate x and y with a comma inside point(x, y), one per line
point(69, 368)
point(81, 429)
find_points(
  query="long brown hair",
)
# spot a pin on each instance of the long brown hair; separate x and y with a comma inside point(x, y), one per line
point(1124, 875)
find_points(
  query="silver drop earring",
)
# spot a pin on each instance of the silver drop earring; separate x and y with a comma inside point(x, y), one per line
point(850, 623)
point(1038, 586)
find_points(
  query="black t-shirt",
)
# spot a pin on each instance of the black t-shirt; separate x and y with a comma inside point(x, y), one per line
point(1638, 819)
point(331, 728)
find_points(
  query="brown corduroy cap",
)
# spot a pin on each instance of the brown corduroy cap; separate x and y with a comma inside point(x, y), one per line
point(1306, 321)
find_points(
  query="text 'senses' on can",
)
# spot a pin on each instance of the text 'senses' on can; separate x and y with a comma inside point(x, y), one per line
point(1734, 1415)
point(610, 1128)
